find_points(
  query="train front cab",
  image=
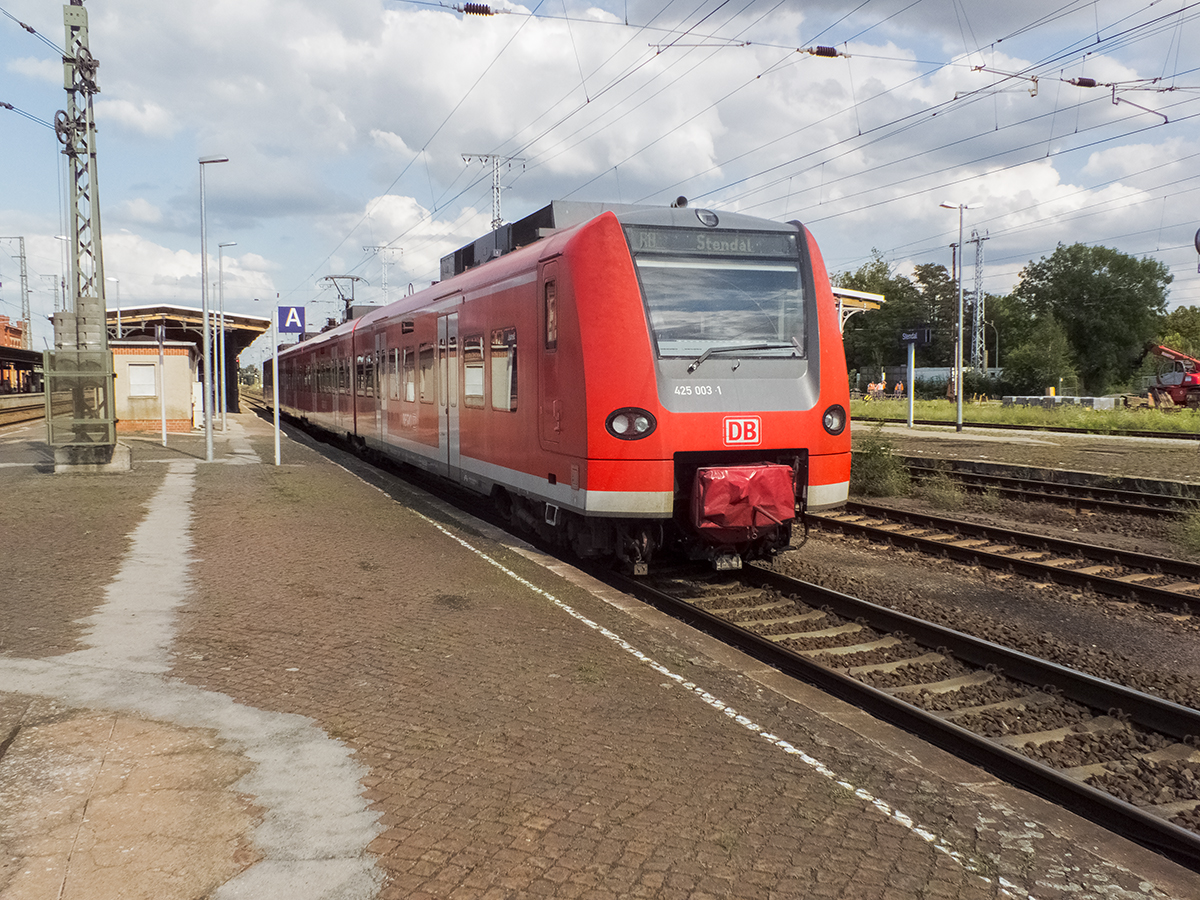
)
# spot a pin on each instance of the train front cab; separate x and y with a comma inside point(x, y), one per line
point(735, 391)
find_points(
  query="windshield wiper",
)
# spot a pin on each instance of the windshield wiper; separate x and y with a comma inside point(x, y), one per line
point(739, 349)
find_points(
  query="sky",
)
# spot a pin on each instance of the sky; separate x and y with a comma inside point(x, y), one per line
point(360, 133)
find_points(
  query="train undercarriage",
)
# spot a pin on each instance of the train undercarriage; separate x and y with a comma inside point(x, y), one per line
point(727, 513)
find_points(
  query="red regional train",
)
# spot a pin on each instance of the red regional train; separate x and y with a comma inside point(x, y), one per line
point(620, 379)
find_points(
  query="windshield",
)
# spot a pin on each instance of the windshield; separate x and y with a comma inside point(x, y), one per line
point(708, 290)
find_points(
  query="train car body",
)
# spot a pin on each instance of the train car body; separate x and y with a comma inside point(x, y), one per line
point(618, 379)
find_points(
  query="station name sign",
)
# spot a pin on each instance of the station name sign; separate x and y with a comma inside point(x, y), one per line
point(918, 336)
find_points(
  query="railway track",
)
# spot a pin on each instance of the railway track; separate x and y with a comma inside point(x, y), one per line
point(1052, 429)
point(1078, 490)
point(1161, 581)
point(1124, 759)
point(15, 408)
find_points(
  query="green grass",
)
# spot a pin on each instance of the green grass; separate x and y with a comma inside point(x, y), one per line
point(941, 491)
point(1177, 421)
point(876, 471)
point(1188, 535)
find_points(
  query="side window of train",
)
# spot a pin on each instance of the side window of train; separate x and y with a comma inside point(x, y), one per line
point(426, 365)
point(551, 316)
point(504, 369)
point(472, 351)
point(410, 374)
point(393, 374)
point(366, 375)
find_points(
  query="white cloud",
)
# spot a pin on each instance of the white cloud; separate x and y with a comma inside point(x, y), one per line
point(391, 141)
point(139, 211)
point(47, 70)
point(147, 118)
point(418, 238)
point(321, 107)
point(151, 273)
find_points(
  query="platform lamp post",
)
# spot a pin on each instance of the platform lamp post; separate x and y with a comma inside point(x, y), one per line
point(208, 379)
point(221, 339)
point(958, 340)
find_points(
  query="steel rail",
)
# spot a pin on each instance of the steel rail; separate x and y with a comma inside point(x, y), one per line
point(1078, 495)
point(1148, 562)
point(1055, 429)
point(1112, 587)
point(1177, 843)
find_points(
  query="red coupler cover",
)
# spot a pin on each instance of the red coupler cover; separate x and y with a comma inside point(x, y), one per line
point(732, 502)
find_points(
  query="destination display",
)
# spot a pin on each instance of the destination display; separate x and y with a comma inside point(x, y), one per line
point(760, 244)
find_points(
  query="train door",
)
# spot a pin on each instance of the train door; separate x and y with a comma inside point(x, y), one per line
point(550, 400)
point(448, 393)
point(381, 385)
point(336, 408)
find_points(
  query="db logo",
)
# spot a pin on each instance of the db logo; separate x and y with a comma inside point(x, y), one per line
point(747, 430)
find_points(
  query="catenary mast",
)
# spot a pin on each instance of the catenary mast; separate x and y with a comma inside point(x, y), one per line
point(80, 366)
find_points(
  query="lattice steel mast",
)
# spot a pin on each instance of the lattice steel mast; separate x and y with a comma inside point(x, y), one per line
point(76, 128)
point(26, 316)
point(978, 344)
point(81, 362)
point(383, 251)
point(496, 160)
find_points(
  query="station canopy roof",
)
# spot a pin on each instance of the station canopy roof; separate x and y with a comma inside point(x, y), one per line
point(183, 324)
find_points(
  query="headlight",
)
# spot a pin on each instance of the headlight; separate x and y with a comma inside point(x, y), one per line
point(834, 419)
point(630, 424)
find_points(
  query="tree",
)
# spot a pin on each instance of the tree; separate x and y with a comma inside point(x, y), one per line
point(1012, 325)
point(938, 308)
point(872, 338)
point(1180, 330)
point(1107, 302)
point(1041, 361)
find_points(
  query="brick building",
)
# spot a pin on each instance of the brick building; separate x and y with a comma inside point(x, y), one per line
point(12, 334)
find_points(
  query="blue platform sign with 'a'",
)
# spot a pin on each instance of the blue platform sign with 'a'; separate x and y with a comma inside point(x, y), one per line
point(291, 320)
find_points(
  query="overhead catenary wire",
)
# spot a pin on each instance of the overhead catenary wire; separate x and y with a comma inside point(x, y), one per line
point(33, 31)
point(30, 116)
point(407, 166)
point(993, 223)
point(749, 179)
point(1105, 36)
point(403, 235)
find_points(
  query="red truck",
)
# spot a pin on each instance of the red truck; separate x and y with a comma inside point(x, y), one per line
point(1182, 382)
